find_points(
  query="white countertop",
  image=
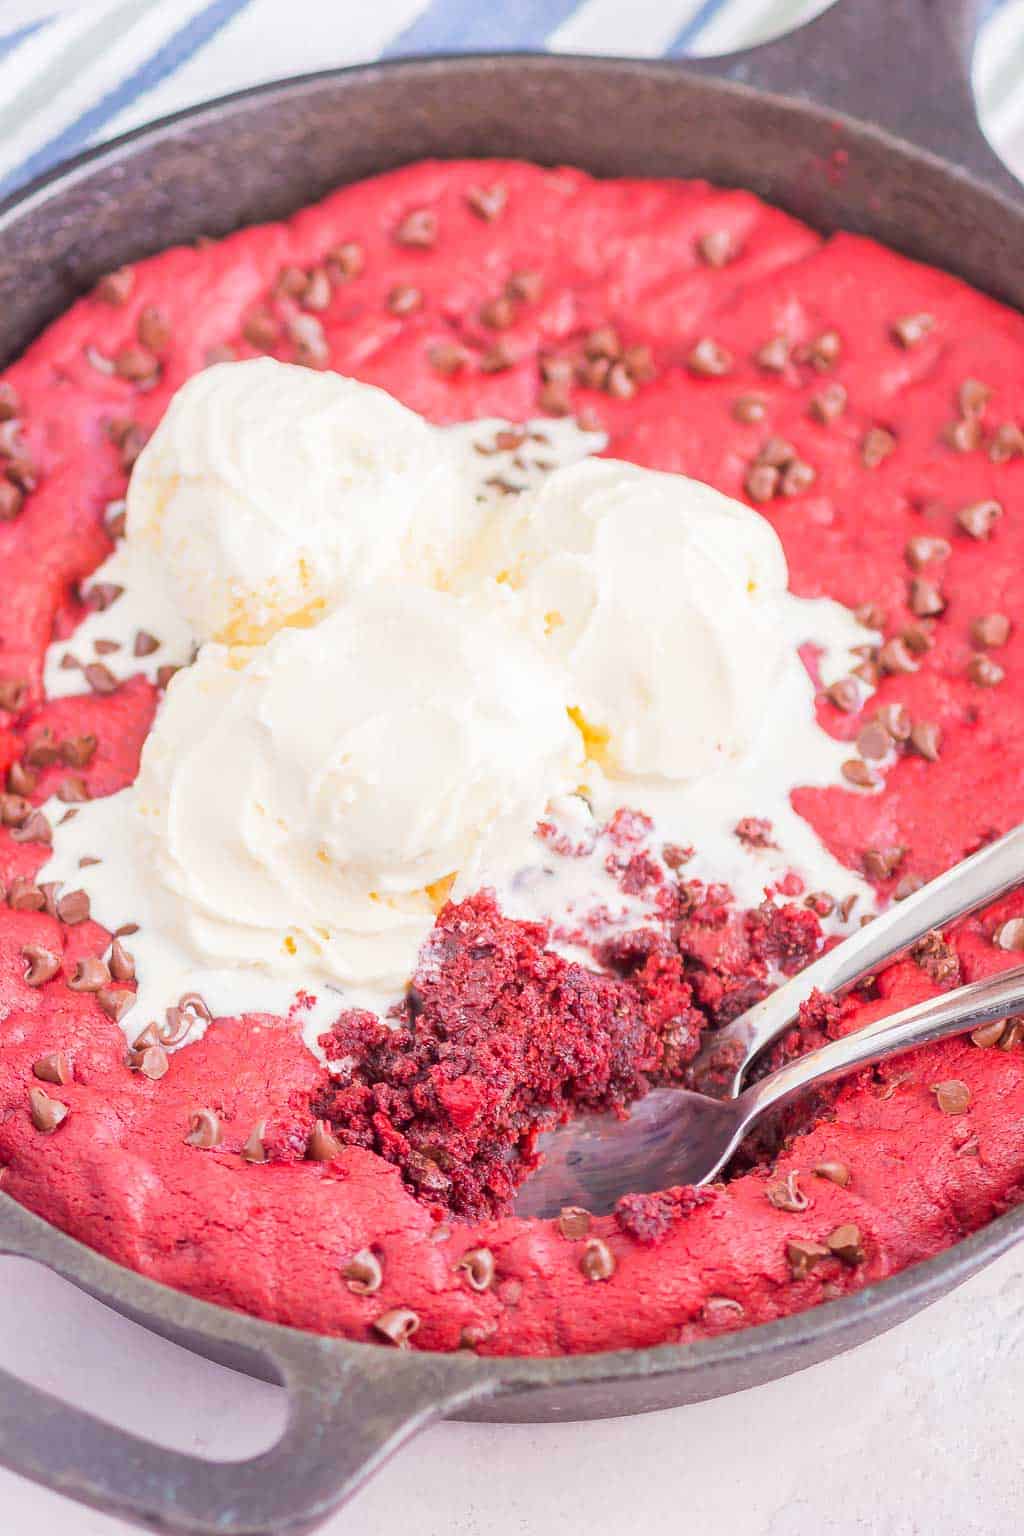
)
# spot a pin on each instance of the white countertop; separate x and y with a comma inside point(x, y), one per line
point(914, 1434)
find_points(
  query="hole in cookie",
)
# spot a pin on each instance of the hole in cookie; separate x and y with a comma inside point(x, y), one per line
point(54, 1337)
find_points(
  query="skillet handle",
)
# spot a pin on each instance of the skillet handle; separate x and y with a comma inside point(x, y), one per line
point(349, 1407)
point(904, 65)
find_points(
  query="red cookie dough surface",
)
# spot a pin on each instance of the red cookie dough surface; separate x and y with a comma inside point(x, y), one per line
point(916, 431)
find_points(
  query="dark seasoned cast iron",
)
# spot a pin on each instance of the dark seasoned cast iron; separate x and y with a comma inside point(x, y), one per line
point(748, 120)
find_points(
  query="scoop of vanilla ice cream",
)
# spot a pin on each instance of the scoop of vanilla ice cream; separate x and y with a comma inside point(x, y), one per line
point(661, 599)
point(270, 491)
point(307, 805)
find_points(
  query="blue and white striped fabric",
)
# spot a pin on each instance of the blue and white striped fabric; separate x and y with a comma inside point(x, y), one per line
point(76, 72)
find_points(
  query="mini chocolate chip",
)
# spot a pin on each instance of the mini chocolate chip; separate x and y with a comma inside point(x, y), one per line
point(573, 1222)
point(925, 598)
point(821, 903)
point(47, 1114)
point(23, 895)
point(136, 364)
point(990, 629)
point(828, 404)
point(825, 350)
point(90, 975)
point(937, 959)
point(115, 1002)
point(717, 248)
point(477, 1264)
point(260, 330)
point(856, 771)
point(154, 328)
point(317, 295)
point(116, 287)
point(290, 282)
point(1010, 935)
point(73, 908)
point(1007, 443)
point(447, 358)
point(164, 675)
point(925, 738)
point(525, 285)
point(151, 1061)
point(973, 396)
point(845, 695)
point(13, 692)
point(874, 741)
point(51, 890)
point(777, 452)
point(346, 261)
point(749, 408)
point(498, 314)
point(979, 519)
point(323, 1146)
point(923, 549)
point(709, 360)
point(34, 829)
point(254, 1150)
point(418, 228)
point(803, 1255)
point(403, 299)
point(11, 501)
point(877, 445)
point(797, 477)
point(597, 1262)
point(773, 356)
point(619, 383)
point(53, 1068)
point(78, 751)
point(834, 1172)
point(307, 333)
point(488, 202)
point(911, 330)
point(845, 1242)
point(786, 1195)
point(963, 435)
point(363, 1274)
point(882, 863)
point(987, 1035)
point(953, 1097)
point(894, 657)
point(14, 810)
point(121, 962)
point(984, 672)
point(100, 678)
point(496, 359)
point(42, 965)
point(145, 643)
point(44, 749)
point(204, 1129)
point(398, 1325)
point(762, 482)
point(895, 718)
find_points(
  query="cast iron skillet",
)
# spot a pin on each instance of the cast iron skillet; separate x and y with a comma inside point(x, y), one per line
point(782, 120)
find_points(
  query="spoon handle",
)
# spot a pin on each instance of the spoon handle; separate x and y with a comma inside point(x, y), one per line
point(951, 1013)
point(973, 883)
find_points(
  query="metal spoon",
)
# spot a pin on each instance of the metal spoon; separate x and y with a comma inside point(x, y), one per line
point(975, 882)
point(687, 1138)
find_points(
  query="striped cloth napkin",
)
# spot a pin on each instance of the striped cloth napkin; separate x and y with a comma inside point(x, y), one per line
point(76, 72)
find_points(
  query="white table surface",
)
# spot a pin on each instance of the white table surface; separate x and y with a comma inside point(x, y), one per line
point(914, 1434)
